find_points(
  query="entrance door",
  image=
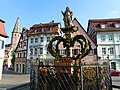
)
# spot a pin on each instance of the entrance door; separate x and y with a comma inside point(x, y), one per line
point(113, 65)
point(23, 68)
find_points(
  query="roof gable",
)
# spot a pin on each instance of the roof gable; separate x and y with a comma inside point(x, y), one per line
point(82, 31)
point(2, 29)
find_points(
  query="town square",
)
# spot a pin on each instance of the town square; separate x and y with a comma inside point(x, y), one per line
point(52, 48)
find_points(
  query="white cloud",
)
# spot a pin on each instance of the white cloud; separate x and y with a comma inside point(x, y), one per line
point(114, 13)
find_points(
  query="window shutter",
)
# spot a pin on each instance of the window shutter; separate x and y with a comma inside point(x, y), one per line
point(2, 44)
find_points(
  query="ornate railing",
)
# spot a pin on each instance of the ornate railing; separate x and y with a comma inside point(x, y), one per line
point(86, 77)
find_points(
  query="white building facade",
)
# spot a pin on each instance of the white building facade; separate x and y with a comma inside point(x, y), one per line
point(106, 34)
point(3, 37)
point(39, 36)
point(109, 48)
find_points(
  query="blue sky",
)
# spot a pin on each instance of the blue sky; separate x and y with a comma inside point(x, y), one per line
point(43, 11)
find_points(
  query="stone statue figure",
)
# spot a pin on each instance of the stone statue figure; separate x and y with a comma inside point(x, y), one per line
point(67, 17)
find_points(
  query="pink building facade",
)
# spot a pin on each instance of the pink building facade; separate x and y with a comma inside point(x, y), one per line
point(89, 59)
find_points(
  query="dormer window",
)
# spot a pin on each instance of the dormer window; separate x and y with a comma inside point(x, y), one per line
point(51, 28)
point(117, 25)
point(103, 26)
point(35, 30)
point(43, 29)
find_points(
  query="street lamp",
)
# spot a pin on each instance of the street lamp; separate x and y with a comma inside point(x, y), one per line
point(109, 69)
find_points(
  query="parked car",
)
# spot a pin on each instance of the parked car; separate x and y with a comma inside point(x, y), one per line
point(115, 72)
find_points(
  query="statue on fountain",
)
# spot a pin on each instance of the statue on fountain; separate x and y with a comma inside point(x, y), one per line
point(67, 17)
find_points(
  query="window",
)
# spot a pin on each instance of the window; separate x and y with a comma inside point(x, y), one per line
point(91, 52)
point(102, 37)
point(25, 43)
point(111, 50)
point(103, 51)
point(16, 67)
point(75, 51)
point(118, 36)
point(31, 51)
point(35, 30)
point(31, 40)
point(41, 39)
point(24, 54)
point(41, 50)
point(103, 26)
point(117, 25)
point(110, 37)
point(113, 65)
point(18, 55)
point(43, 29)
point(2, 44)
point(36, 40)
point(48, 52)
point(48, 39)
point(62, 52)
point(51, 28)
point(35, 50)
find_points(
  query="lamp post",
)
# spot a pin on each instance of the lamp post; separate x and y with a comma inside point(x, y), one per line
point(110, 88)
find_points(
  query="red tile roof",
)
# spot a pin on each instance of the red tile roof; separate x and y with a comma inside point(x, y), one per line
point(2, 29)
point(110, 24)
point(46, 26)
point(105, 20)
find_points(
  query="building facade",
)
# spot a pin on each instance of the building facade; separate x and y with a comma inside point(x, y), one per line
point(10, 48)
point(21, 53)
point(89, 59)
point(106, 34)
point(3, 37)
point(8, 56)
point(39, 36)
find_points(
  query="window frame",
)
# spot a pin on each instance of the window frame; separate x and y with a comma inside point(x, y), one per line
point(103, 26)
point(31, 40)
point(117, 25)
point(36, 40)
point(41, 50)
point(103, 39)
point(51, 28)
point(43, 30)
point(48, 39)
point(110, 37)
point(62, 52)
point(41, 39)
point(36, 51)
point(111, 50)
point(103, 51)
point(35, 30)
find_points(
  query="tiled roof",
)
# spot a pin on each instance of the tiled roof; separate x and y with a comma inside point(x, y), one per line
point(46, 26)
point(106, 20)
point(109, 24)
point(2, 29)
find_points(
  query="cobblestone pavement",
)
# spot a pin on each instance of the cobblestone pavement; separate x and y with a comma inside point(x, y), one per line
point(116, 81)
point(11, 79)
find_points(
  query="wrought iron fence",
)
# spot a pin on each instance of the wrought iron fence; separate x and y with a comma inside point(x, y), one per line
point(84, 77)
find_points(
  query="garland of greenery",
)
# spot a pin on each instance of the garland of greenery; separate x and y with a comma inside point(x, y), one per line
point(85, 48)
